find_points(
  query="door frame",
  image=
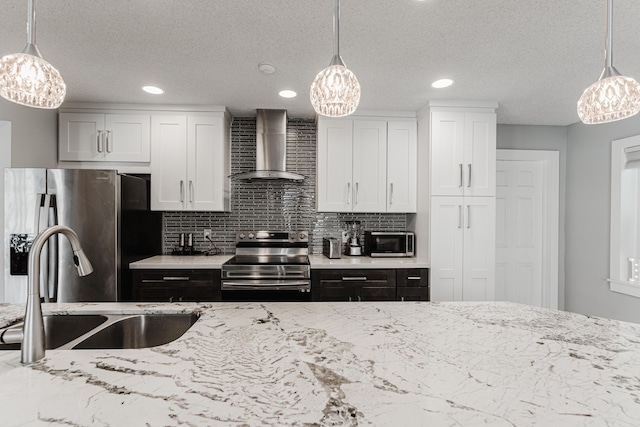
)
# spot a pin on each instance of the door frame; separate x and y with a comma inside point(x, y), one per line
point(551, 220)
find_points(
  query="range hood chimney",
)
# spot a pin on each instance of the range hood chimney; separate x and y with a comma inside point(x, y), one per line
point(271, 148)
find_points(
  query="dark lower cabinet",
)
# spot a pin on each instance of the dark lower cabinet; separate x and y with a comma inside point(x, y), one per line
point(353, 285)
point(175, 285)
point(370, 284)
point(412, 284)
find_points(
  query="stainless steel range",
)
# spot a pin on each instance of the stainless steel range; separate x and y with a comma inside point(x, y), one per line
point(268, 266)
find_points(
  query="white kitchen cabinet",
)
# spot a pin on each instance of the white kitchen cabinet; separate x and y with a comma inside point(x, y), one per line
point(104, 137)
point(462, 248)
point(366, 165)
point(190, 163)
point(463, 153)
point(401, 166)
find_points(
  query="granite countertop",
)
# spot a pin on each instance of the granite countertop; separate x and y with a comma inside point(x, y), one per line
point(316, 262)
point(347, 364)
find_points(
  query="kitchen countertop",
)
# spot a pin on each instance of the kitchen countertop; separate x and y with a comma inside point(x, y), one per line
point(316, 262)
point(347, 364)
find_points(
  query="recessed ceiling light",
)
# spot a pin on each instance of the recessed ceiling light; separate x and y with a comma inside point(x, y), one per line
point(442, 83)
point(266, 68)
point(153, 90)
point(287, 94)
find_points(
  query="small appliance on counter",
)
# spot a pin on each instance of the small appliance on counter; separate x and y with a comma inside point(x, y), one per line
point(389, 243)
point(331, 247)
point(353, 247)
point(185, 245)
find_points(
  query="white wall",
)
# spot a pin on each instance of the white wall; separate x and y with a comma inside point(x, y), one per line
point(587, 211)
point(5, 161)
point(34, 135)
point(521, 137)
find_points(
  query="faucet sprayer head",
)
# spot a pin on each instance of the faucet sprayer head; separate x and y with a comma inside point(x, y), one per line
point(83, 265)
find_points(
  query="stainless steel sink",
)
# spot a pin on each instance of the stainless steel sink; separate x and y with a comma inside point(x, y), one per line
point(139, 331)
point(110, 331)
point(59, 330)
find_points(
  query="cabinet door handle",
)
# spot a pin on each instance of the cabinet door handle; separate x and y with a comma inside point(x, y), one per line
point(175, 278)
point(107, 137)
point(190, 191)
point(391, 196)
point(468, 216)
point(347, 279)
point(359, 299)
point(348, 193)
point(181, 191)
point(356, 193)
point(461, 177)
point(469, 183)
point(402, 299)
point(349, 299)
point(459, 216)
point(99, 141)
point(414, 278)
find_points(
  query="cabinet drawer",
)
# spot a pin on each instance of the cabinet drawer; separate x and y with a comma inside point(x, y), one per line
point(413, 277)
point(413, 293)
point(176, 285)
point(355, 275)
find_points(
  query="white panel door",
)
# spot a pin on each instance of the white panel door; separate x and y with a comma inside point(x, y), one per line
point(205, 148)
point(519, 231)
point(447, 153)
point(335, 165)
point(169, 163)
point(447, 241)
point(479, 249)
point(369, 166)
point(127, 138)
point(402, 162)
point(80, 137)
point(479, 165)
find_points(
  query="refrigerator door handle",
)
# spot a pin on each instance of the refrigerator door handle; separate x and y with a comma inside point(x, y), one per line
point(53, 256)
point(43, 201)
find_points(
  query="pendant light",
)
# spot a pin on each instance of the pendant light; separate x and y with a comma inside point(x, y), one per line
point(614, 96)
point(26, 78)
point(335, 92)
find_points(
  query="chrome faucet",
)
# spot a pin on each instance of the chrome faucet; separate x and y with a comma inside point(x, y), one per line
point(32, 334)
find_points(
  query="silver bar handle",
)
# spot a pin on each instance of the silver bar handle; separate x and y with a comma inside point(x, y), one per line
point(359, 298)
point(459, 216)
point(190, 191)
point(99, 141)
point(107, 137)
point(469, 182)
point(468, 216)
point(391, 196)
point(181, 191)
point(348, 193)
point(414, 278)
point(347, 279)
point(356, 193)
point(42, 222)
point(175, 278)
point(461, 176)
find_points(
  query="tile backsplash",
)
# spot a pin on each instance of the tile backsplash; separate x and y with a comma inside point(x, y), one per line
point(270, 204)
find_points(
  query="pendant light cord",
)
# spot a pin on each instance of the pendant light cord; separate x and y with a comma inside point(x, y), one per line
point(31, 22)
point(336, 60)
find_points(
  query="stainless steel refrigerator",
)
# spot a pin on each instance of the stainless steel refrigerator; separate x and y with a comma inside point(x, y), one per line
point(109, 212)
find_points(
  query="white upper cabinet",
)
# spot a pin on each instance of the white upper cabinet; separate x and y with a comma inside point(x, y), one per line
point(366, 165)
point(401, 166)
point(104, 137)
point(463, 153)
point(190, 164)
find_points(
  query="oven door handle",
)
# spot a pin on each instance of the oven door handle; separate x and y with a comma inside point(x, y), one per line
point(243, 285)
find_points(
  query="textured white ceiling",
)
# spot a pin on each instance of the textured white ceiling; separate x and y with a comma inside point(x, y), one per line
point(534, 57)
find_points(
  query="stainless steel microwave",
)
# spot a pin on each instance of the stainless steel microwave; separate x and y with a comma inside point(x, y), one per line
point(389, 243)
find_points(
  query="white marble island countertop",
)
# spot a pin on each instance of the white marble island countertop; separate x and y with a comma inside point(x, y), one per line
point(346, 364)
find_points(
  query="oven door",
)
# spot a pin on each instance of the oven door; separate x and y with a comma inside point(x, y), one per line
point(258, 290)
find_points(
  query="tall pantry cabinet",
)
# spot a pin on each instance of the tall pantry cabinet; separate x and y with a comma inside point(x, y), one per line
point(462, 165)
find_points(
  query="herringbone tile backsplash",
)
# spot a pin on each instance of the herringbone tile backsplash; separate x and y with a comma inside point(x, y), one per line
point(270, 204)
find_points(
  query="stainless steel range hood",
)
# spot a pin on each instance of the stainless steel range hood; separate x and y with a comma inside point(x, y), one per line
point(271, 148)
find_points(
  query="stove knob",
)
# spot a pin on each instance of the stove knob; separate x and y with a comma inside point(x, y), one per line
point(251, 235)
point(241, 236)
point(302, 236)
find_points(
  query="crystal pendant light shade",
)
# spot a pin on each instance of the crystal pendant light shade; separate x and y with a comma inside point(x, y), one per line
point(335, 92)
point(613, 97)
point(30, 80)
point(609, 99)
point(26, 78)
